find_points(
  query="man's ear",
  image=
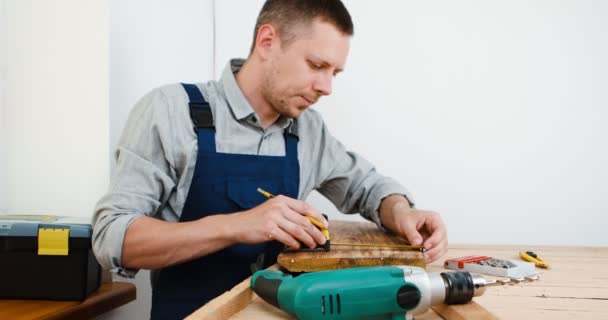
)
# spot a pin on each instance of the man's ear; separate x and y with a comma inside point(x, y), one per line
point(266, 40)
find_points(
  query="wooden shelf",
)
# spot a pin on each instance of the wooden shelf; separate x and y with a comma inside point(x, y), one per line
point(110, 295)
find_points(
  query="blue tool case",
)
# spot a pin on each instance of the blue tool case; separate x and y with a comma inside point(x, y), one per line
point(46, 257)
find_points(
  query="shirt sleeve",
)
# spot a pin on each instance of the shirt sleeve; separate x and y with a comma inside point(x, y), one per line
point(141, 182)
point(351, 182)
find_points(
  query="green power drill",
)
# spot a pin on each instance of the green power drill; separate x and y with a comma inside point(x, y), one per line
point(385, 292)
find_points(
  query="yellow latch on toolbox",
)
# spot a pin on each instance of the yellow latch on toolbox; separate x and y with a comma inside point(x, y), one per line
point(53, 241)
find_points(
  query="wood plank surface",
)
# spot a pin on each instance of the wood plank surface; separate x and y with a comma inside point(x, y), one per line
point(230, 303)
point(468, 311)
point(574, 287)
point(226, 305)
point(340, 257)
point(109, 296)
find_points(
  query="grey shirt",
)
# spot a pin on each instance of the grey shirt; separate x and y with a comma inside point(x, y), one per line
point(157, 151)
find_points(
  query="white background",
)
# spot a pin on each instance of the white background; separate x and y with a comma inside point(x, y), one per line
point(54, 105)
point(490, 112)
point(2, 93)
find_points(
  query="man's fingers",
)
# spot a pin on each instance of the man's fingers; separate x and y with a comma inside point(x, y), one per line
point(439, 235)
point(431, 255)
point(297, 232)
point(307, 226)
point(412, 235)
point(435, 252)
point(281, 236)
point(305, 209)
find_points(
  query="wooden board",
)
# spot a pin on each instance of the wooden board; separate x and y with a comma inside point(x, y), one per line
point(340, 257)
point(471, 310)
point(226, 305)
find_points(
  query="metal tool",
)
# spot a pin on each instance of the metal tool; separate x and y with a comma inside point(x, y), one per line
point(386, 292)
point(328, 242)
point(381, 245)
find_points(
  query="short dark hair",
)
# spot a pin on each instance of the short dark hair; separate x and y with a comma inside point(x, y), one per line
point(287, 14)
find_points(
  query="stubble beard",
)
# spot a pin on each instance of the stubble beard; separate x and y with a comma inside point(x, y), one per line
point(272, 95)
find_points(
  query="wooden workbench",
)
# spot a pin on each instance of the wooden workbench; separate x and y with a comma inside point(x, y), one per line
point(575, 287)
point(110, 295)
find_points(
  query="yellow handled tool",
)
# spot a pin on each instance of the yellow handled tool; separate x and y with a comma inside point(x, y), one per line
point(533, 257)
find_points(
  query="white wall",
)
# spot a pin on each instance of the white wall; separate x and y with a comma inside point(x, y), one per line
point(153, 43)
point(494, 111)
point(490, 112)
point(55, 110)
point(2, 94)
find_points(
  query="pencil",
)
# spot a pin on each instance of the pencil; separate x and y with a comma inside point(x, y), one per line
point(265, 193)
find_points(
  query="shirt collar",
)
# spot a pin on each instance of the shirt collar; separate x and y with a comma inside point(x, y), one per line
point(237, 102)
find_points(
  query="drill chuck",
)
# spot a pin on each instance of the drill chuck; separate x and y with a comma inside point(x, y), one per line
point(462, 286)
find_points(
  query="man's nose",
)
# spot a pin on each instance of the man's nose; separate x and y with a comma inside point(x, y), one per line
point(323, 83)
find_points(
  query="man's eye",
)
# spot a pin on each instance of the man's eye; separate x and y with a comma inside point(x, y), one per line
point(316, 66)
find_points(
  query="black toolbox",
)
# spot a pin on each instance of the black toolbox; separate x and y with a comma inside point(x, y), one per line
point(46, 257)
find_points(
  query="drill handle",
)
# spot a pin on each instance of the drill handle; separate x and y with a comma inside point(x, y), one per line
point(266, 283)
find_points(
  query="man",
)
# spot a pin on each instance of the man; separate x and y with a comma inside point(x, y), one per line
point(183, 201)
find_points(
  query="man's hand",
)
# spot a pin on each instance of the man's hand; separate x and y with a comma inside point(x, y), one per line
point(420, 227)
point(282, 219)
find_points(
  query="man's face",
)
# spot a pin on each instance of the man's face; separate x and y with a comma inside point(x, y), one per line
point(298, 74)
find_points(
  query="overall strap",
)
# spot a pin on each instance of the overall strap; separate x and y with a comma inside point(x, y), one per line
point(291, 143)
point(202, 118)
point(291, 140)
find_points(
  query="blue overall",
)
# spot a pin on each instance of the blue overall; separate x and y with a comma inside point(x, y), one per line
point(222, 183)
